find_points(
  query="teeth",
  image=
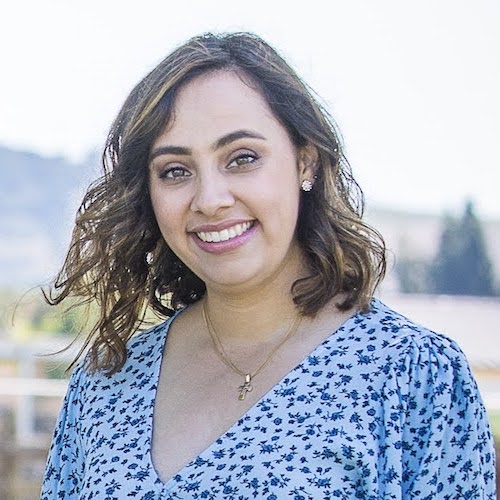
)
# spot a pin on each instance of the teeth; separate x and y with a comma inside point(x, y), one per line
point(225, 234)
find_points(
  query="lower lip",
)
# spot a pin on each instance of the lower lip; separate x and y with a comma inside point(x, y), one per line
point(225, 246)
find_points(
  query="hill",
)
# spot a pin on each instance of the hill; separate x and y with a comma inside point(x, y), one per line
point(38, 199)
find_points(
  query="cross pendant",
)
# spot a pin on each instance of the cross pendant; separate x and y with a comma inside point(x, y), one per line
point(246, 387)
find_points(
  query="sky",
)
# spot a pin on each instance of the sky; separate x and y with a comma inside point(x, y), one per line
point(414, 86)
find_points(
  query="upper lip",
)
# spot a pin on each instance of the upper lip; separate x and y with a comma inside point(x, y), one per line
point(219, 226)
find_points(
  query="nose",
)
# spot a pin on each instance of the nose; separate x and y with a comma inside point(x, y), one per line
point(212, 194)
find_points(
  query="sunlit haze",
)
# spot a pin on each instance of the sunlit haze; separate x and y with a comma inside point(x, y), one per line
point(412, 85)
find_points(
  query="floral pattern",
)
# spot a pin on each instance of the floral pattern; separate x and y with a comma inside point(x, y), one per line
point(383, 409)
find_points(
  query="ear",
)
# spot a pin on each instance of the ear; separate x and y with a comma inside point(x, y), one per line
point(308, 162)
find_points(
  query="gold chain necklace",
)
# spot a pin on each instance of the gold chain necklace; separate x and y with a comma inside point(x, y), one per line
point(219, 349)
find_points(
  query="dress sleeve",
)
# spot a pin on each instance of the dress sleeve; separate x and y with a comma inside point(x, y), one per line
point(447, 444)
point(65, 464)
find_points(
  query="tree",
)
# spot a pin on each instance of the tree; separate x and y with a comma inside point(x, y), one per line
point(462, 266)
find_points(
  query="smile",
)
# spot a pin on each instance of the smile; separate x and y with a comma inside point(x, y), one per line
point(226, 234)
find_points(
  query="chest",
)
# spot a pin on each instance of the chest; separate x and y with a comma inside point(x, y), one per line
point(198, 401)
point(198, 397)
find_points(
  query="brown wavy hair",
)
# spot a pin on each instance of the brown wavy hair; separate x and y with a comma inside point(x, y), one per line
point(117, 255)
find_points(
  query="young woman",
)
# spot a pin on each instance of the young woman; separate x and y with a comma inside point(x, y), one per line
point(228, 207)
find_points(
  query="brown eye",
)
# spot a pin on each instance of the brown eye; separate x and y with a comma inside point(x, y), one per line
point(174, 173)
point(243, 160)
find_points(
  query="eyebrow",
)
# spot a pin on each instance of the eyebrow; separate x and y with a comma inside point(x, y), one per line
point(219, 143)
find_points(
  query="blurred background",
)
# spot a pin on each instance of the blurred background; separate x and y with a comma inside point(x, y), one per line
point(413, 87)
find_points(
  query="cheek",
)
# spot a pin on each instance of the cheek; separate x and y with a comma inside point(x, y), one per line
point(276, 197)
point(157, 208)
point(164, 209)
point(171, 232)
point(154, 196)
point(278, 208)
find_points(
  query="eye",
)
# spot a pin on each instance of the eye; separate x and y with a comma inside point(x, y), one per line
point(174, 173)
point(243, 160)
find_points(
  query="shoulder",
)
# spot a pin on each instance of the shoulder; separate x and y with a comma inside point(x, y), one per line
point(385, 342)
point(147, 344)
point(397, 333)
point(416, 359)
point(421, 373)
point(144, 353)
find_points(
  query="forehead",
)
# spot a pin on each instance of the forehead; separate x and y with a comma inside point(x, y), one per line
point(217, 103)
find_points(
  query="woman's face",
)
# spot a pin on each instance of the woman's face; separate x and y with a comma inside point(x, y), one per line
point(225, 183)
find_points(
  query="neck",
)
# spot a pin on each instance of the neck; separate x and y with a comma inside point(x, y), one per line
point(253, 315)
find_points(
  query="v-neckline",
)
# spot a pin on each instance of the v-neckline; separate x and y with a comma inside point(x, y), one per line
point(173, 481)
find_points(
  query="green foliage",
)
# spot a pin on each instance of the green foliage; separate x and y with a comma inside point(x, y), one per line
point(494, 418)
point(29, 314)
point(462, 266)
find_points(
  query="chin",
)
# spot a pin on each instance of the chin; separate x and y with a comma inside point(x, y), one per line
point(243, 277)
point(233, 281)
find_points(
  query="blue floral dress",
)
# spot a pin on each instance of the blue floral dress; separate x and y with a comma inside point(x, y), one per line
point(383, 409)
